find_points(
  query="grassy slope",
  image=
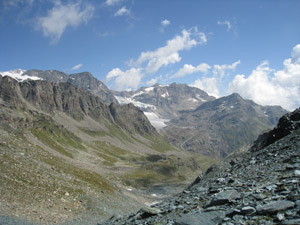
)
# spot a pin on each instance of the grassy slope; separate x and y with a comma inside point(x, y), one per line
point(54, 171)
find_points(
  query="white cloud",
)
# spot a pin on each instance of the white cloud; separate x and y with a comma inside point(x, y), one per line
point(76, 67)
point(112, 2)
point(61, 16)
point(169, 53)
point(190, 69)
point(221, 69)
point(227, 23)
point(209, 85)
point(123, 11)
point(125, 80)
point(165, 23)
point(296, 54)
point(213, 84)
point(268, 87)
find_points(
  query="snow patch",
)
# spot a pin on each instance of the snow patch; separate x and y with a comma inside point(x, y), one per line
point(18, 75)
point(165, 94)
point(137, 94)
point(192, 99)
point(149, 89)
point(201, 99)
point(155, 120)
point(138, 104)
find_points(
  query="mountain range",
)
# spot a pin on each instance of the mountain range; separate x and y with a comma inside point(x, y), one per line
point(73, 149)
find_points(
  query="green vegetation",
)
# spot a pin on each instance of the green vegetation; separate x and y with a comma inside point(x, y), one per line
point(116, 131)
point(160, 144)
point(56, 137)
point(94, 133)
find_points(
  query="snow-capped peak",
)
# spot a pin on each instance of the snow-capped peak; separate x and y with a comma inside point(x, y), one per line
point(18, 75)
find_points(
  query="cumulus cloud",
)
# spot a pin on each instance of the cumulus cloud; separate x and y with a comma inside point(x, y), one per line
point(221, 69)
point(190, 69)
point(208, 84)
point(125, 80)
point(296, 55)
point(62, 16)
point(76, 67)
point(112, 2)
point(227, 23)
point(169, 53)
point(123, 11)
point(213, 84)
point(268, 87)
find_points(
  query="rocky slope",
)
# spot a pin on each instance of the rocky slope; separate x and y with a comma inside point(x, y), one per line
point(257, 186)
point(67, 156)
point(219, 127)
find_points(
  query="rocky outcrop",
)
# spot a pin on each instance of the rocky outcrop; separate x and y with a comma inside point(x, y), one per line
point(250, 187)
point(87, 82)
point(287, 124)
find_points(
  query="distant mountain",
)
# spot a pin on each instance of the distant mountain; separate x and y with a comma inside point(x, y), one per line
point(219, 127)
point(84, 80)
point(161, 103)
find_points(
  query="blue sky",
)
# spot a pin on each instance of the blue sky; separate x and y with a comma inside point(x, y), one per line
point(245, 46)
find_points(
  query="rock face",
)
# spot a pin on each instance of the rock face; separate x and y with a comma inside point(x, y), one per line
point(287, 124)
point(258, 186)
point(52, 97)
point(87, 82)
point(219, 127)
point(84, 80)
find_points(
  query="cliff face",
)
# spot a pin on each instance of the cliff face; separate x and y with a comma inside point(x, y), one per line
point(84, 80)
point(64, 97)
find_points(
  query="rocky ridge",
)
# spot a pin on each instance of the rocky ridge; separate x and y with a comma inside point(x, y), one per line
point(257, 186)
point(84, 80)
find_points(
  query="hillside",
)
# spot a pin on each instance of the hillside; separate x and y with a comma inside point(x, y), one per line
point(68, 156)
